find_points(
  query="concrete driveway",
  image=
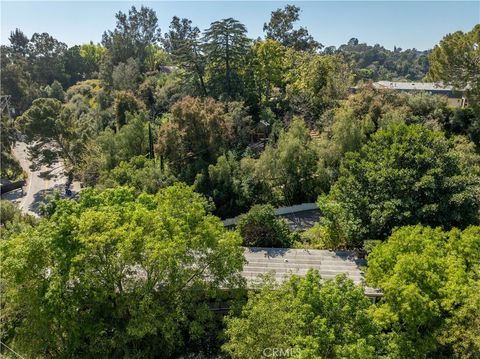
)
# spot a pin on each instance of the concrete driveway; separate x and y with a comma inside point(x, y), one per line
point(38, 184)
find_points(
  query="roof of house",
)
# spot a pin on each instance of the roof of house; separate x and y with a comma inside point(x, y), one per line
point(283, 262)
point(299, 217)
point(412, 86)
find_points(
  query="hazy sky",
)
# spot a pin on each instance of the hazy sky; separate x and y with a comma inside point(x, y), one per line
point(406, 24)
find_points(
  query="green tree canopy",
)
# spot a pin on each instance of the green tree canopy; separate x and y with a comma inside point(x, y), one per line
point(115, 274)
point(184, 43)
point(430, 280)
point(228, 186)
point(145, 175)
point(291, 168)
point(193, 136)
point(315, 82)
point(133, 33)
point(51, 132)
point(19, 42)
point(306, 318)
point(47, 58)
point(225, 44)
point(126, 75)
point(407, 174)
point(280, 28)
point(268, 68)
point(125, 102)
point(92, 54)
point(455, 61)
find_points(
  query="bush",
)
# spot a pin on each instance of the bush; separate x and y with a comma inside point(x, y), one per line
point(331, 231)
point(260, 228)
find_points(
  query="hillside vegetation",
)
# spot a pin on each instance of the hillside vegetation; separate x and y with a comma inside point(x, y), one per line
point(171, 131)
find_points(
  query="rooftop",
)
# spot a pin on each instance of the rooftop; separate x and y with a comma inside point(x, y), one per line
point(412, 86)
point(283, 262)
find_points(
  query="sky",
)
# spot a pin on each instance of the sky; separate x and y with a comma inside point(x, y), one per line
point(405, 24)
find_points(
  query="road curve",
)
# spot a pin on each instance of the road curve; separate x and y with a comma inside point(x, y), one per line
point(38, 184)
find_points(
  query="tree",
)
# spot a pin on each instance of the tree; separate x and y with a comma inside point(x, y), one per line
point(348, 132)
point(378, 63)
point(180, 31)
point(123, 103)
point(462, 330)
point(55, 90)
point(315, 83)
point(280, 28)
point(462, 72)
point(19, 42)
point(193, 136)
point(126, 76)
point(240, 124)
point(145, 175)
point(118, 274)
point(132, 35)
point(75, 66)
point(132, 139)
point(428, 277)
point(10, 168)
point(227, 185)
point(225, 46)
point(12, 220)
point(407, 174)
point(260, 228)
point(170, 89)
point(291, 167)
point(156, 58)
point(269, 67)
point(17, 80)
point(92, 55)
point(305, 318)
point(183, 42)
point(46, 55)
point(110, 148)
point(331, 231)
point(353, 41)
point(371, 104)
point(51, 134)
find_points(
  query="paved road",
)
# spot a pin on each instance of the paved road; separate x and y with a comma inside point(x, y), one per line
point(39, 183)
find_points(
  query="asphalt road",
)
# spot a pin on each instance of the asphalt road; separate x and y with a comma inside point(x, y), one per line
point(38, 184)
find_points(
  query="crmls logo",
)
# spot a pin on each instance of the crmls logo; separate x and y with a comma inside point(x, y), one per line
point(279, 352)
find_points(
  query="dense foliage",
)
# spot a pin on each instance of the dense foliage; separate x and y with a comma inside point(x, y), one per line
point(305, 318)
point(407, 175)
point(378, 63)
point(459, 71)
point(114, 274)
point(431, 280)
point(169, 131)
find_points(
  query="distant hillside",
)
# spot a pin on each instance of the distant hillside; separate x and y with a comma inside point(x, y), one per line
point(378, 63)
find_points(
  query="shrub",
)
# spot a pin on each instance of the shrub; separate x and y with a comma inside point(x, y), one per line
point(260, 228)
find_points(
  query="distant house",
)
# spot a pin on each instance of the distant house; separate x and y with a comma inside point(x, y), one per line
point(455, 97)
point(299, 217)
